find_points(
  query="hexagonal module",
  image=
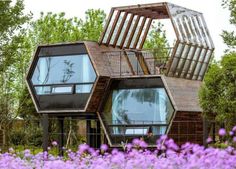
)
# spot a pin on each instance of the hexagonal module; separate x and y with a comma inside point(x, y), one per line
point(136, 108)
point(61, 78)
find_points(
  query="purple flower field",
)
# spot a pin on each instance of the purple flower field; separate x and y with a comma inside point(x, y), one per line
point(166, 155)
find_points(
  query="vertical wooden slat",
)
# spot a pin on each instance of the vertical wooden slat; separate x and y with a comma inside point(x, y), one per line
point(179, 57)
point(204, 57)
point(172, 56)
point(113, 27)
point(126, 31)
point(106, 26)
point(212, 50)
point(190, 61)
point(195, 65)
point(184, 61)
point(139, 32)
point(145, 34)
point(120, 28)
point(133, 31)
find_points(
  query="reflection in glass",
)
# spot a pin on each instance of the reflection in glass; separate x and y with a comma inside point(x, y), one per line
point(85, 88)
point(63, 70)
point(43, 90)
point(138, 106)
point(61, 89)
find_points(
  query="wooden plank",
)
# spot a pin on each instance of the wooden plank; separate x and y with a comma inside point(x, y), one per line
point(106, 26)
point(212, 50)
point(113, 27)
point(120, 28)
point(129, 64)
point(195, 65)
point(145, 33)
point(132, 32)
point(201, 64)
point(139, 32)
point(142, 63)
point(179, 57)
point(184, 61)
point(190, 61)
point(126, 31)
point(172, 56)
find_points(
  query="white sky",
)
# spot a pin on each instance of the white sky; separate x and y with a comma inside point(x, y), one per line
point(216, 17)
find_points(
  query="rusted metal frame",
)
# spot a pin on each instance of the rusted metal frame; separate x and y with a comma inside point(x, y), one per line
point(172, 56)
point(195, 65)
point(127, 30)
point(190, 61)
point(145, 33)
point(129, 64)
point(106, 26)
point(212, 50)
point(204, 57)
point(113, 27)
point(142, 63)
point(132, 32)
point(179, 58)
point(139, 32)
point(184, 61)
point(120, 28)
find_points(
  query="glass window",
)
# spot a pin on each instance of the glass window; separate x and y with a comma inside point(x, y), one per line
point(86, 88)
point(61, 89)
point(43, 90)
point(63, 70)
point(138, 106)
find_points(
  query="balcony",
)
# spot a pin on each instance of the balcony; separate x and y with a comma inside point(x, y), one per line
point(138, 62)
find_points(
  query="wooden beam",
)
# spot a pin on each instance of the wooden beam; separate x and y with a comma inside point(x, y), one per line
point(120, 28)
point(194, 67)
point(106, 26)
point(178, 58)
point(184, 61)
point(113, 27)
point(126, 30)
point(190, 61)
point(172, 57)
point(132, 32)
point(139, 32)
point(201, 64)
point(129, 64)
point(208, 61)
point(145, 33)
point(142, 63)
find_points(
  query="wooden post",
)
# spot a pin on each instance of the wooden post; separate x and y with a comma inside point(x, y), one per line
point(205, 131)
point(45, 124)
point(61, 135)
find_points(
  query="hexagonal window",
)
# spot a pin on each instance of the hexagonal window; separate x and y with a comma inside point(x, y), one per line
point(137, 108)
point(62, 77)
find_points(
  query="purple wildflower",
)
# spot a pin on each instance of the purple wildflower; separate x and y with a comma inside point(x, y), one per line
point(222, 132)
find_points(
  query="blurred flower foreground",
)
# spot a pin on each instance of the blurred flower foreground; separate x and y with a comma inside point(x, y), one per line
point(166, 155)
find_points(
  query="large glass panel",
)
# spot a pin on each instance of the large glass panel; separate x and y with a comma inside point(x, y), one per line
point(126, 107)
point(63, 70)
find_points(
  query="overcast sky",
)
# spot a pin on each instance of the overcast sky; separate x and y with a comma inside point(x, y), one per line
point(216, 17)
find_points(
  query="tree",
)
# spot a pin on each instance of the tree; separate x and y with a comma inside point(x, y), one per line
point(12, 19)
point(229, 37)
point(218, 92)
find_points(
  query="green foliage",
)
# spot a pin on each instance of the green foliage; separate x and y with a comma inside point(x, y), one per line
point(157, 42)
point(218, 92)
point(229, 37)
point(12, 19)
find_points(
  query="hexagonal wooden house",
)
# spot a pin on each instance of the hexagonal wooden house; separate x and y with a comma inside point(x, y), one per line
point(133, 92)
